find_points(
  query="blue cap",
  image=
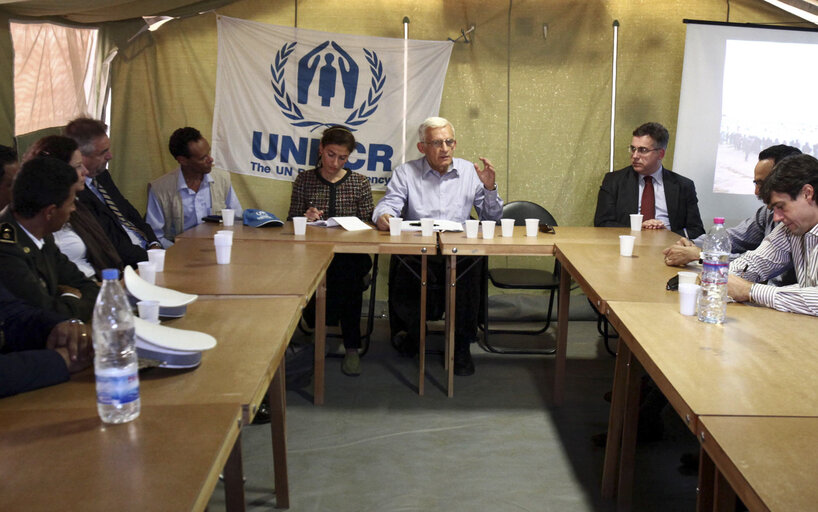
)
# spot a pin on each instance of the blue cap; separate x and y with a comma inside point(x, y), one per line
point(110, 274)
point(258, 218)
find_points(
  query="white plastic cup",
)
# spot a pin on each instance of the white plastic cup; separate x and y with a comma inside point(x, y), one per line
point(157, 257)
point(507, 227)
point(228, 217)
point(688, 297)
point(488, 228)
point(427, 227)
point(224, 245)
point(147, 271)
point(472, 227)
point(148, 310)
point(300, 225)
point(636, 222)
point(626, 245)
point(395, 226)
point(531, 227)
point(687, 277)
point(226, 232)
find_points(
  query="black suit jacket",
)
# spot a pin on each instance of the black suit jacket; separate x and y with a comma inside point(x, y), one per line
point(34, 274)
point(131, 254)
point(618, 198)
point(25, 364)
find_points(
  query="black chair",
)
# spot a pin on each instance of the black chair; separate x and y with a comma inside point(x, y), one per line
point(521, 279)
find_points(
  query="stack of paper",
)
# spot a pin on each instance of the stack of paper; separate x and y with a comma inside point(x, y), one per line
point(348, 223)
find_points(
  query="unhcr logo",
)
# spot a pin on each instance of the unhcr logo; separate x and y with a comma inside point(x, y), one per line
point(337, 75)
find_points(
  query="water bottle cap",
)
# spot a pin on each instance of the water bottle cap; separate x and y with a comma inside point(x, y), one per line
point(110, 274)
point(718, 220)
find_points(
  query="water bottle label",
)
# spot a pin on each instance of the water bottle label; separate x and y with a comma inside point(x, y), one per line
point(117, 387)
point(719, 269)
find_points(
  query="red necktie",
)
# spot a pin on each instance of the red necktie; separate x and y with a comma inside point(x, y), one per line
point(648, 200)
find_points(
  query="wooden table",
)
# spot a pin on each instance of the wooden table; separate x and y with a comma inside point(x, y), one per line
point(581, 234)
point(248, 359)
point(454, 244)
point(168, 459)
point(744, 367)
point(769, 462)
point(371, 241)
point(257, 269)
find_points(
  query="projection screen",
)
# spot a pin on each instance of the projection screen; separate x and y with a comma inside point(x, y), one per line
point(744, 88)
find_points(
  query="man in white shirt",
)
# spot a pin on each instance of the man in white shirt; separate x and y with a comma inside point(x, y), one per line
point(790, 192)
point(122, 223)
point(180, 199)
point(438, 186)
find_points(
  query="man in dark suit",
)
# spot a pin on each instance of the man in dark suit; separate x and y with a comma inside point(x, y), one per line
point(125, 227)
point(38, 348)
point(670, 202)
point(31, 266)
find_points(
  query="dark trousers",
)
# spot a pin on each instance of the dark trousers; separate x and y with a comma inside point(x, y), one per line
point(345, 286)
point(404, 295)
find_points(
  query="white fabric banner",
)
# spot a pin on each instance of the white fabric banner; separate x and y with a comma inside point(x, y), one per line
point(279, 88)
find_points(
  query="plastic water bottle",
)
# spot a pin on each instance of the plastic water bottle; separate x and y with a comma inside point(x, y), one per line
point(715, 263)
point(115, 362)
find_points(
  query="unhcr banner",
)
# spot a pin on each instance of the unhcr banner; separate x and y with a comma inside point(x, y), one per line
point(279, 88)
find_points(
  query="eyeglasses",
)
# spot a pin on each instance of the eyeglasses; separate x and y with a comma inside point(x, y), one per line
point(439, 143)
point(642, 150)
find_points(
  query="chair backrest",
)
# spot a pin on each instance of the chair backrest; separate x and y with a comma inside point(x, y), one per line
point(521, 210)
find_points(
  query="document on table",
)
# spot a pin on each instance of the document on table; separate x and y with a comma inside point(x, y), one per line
point(348, 223)
point(440, 225)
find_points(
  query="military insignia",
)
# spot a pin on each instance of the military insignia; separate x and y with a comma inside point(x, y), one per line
point(8, 235)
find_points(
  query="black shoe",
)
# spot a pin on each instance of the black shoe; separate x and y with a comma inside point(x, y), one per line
point(600, 440)
point(263, 414)
point(689, 463)
point(404, 344)
point(463, 364)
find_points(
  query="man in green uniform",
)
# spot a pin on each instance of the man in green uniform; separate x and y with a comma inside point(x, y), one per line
point(31, 266)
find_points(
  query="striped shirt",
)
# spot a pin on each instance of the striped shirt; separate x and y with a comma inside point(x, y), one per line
point(777, 251)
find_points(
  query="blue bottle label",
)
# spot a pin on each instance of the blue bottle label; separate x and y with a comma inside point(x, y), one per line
point(117, 386)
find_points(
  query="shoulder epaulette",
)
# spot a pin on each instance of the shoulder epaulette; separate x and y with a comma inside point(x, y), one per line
point(8, 235)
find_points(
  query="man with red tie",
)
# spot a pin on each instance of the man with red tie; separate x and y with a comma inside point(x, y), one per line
point(665, 199)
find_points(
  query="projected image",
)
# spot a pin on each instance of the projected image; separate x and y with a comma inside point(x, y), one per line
point(767, 98)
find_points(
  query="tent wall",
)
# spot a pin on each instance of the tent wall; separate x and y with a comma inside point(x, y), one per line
point(538, 108)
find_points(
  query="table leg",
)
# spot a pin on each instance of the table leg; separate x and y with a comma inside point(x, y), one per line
point(320, 340)
point(707, 474)
point(277, 401)
point(422, 340)
point(562, 335)
point(234, 479)
point(610, 469)
point(629, 430)
point(451, 304)
point(725, 497)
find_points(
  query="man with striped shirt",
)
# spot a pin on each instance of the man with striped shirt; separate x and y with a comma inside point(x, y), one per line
point(790, 192)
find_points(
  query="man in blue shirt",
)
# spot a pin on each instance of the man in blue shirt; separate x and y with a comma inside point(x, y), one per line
point(442, 187)
point(180, 199)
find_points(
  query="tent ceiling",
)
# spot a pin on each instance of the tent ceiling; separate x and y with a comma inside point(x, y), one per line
point(99, 11)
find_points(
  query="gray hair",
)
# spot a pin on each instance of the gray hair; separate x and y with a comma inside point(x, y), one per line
point(432, 122)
